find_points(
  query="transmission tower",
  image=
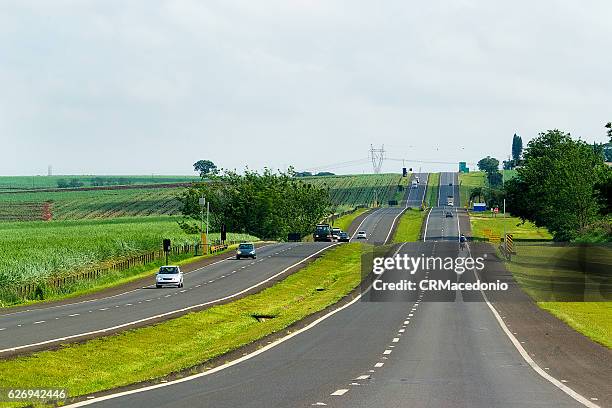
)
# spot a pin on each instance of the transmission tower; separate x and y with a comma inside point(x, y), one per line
point(377, 156)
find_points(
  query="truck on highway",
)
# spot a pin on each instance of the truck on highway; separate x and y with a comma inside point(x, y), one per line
point(450, 200)
point(323, 232)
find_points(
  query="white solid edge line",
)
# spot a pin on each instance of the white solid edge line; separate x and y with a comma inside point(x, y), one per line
point(393, 223)
point(120, 326)
point(580, 398)
point(231, 363)
point(426, 224)
point(116, 295)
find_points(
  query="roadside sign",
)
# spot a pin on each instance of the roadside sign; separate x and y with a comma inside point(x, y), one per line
point(495, 238)
point(509, 243)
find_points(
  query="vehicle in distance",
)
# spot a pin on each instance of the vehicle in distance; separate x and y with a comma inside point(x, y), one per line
point(415, 184)
point(362, 235)
point(246, 250)
point(450, 200)
point(449, 214)
point(323, 233)
point(169, 275)
point(343, 237)
point(336, 233)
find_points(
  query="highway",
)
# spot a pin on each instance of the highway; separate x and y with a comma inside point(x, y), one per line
point(417, 350)
point(44, 327)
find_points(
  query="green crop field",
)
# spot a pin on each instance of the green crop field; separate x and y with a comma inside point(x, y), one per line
point(35, 250)
point(45, 182)
point(469, 181)
point(350, 191)
point(89, 204)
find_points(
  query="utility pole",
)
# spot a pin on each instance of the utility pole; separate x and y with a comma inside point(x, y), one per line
point(202, 202)
point(377, 156)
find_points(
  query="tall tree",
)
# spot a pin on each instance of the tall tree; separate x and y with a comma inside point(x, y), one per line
point(488, 164)
point(517, 149)
point(205, 167)
point(609, 127)
point(556, 186)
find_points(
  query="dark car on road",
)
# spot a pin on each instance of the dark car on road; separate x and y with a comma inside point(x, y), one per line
point(449, 214)
point(323, 232)
point(343, 237)
point(246, 250)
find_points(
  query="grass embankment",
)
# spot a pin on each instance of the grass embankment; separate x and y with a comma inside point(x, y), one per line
point(433, 186)
point(345, 221)
point(409, 227)
point(553, 277)
point(513, 225)
point(195, 338)
point(593, 319)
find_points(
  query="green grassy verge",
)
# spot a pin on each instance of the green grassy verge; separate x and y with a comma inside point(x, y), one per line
point(433, 186)
point(513, 225)
point(136, 355)
point(345, 221)
point(409, 227)
point(593, 319)
point(548, 274)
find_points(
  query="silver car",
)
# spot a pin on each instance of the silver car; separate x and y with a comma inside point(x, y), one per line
point(169, 275)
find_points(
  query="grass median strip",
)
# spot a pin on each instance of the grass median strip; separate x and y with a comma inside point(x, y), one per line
point(155, 351)
point(409, 227)
point(433, 186)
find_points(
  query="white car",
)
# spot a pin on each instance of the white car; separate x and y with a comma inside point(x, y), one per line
point(169, 275)
point(362, 235)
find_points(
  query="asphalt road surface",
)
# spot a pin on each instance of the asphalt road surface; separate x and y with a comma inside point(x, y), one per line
point(416, 349)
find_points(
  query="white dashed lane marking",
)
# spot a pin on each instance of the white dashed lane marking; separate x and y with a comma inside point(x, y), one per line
point(387, 352)
point(378, 365)
point(39, 322)
point(339, 392)
point(76, 314)
point(395, 339)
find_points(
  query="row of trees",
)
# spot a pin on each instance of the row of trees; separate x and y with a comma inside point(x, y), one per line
point(563, 185)
point(268, 205)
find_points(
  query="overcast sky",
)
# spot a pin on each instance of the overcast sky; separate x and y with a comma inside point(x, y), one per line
point(141, 87)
